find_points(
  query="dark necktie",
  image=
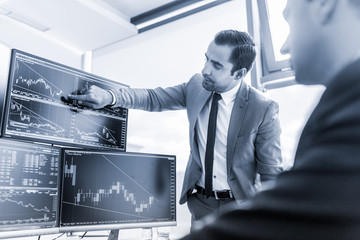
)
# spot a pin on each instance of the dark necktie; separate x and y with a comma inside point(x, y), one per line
point(209, 153)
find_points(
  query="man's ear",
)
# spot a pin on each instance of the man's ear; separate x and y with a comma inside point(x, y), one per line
point(324, 9)
point(239, 74)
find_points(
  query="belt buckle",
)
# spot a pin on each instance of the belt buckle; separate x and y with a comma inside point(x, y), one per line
point(216, 194)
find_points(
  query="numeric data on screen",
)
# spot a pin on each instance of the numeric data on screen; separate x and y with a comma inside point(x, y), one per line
point(29, 182)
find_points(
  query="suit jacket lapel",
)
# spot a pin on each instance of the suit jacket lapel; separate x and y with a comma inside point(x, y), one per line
point(236, 119)
point(199, 101)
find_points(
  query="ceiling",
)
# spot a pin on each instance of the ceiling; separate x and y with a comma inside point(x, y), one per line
point(85, 25)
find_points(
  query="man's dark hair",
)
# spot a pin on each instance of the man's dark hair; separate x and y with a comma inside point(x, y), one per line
point(243, 54)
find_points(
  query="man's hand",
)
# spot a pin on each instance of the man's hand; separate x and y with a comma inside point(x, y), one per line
point(95, 98)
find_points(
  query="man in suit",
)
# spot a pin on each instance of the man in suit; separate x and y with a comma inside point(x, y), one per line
point(319, 197)
point(246, 144)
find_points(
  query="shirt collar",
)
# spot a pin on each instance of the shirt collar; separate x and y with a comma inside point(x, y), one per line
point(230, 95)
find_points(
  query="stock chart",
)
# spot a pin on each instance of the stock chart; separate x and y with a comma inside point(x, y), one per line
point(36, 108)
point(135, 188)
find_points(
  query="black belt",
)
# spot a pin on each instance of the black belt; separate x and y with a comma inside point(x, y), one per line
point(219, 195)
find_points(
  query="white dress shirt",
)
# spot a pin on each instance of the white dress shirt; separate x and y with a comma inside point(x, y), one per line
point(225, 106)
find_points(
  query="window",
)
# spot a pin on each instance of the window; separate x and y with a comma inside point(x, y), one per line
point(275, 75)
point(274, 31)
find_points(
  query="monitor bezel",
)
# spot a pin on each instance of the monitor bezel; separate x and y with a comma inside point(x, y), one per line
point(24, 230)
point(52, 140)
point(14, 233)
point(95, 227)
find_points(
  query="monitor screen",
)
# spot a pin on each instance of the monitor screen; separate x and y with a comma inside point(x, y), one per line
point(29, 186)
point(110, 190)
point(36, 110)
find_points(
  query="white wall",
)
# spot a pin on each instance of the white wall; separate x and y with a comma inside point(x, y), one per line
point(166, 56)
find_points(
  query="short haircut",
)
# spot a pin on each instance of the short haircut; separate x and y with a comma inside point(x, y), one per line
point(243, 54)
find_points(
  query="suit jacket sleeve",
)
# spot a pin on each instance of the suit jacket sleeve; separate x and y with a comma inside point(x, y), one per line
point(154, 100)
point(267, 144)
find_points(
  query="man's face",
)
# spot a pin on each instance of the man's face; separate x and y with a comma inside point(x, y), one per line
point(217, 69)
point(303, 41)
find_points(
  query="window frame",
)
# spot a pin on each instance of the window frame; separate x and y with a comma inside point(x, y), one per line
point(274, 73)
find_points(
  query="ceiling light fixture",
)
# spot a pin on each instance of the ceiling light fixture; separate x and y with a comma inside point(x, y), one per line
point(23, 19)
point(171, 12)
point(28, 21)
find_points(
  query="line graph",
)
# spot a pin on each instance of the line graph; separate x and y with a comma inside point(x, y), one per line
point(93, 128)
point(37, 109)
point(41, 81)
point(8, 197)
point(24, 206)
point(25, 116)
point(27, 91)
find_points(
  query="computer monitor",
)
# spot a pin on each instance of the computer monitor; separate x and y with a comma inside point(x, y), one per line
point(116, 190)
point(29, 188)
point(37, 110)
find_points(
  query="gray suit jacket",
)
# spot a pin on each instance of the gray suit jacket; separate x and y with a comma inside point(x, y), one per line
point(253, 144)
